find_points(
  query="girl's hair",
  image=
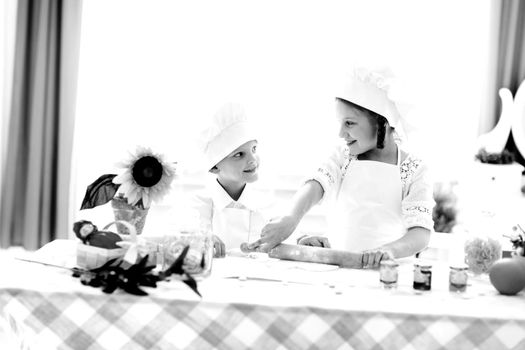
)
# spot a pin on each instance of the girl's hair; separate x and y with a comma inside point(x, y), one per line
point(381, 121)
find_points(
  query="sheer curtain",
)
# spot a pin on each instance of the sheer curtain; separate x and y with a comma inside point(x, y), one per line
point(506, 61)
point(34, 207)
point(506, 67)
point(7, 38)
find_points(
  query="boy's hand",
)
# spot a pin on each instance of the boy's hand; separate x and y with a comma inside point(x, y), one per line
point(372, 258)
point(276, 231)
point(314, 241)
point(219, 248)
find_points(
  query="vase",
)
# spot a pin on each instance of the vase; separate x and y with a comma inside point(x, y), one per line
point(128, 213)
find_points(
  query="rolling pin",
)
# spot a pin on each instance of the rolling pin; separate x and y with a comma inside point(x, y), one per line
point(304, 253)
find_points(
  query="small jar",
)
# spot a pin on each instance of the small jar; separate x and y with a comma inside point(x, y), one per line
point(458, 278)
point(388, 272)
point(422, 276)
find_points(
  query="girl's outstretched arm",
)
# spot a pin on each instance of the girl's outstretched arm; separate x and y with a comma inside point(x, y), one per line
point(280, 228)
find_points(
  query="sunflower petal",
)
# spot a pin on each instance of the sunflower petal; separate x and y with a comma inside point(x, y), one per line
point(122, 178)
point(146, 200)
point(133, 196)
point(125, 188)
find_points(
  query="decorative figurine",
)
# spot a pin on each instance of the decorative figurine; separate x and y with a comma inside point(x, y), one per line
point(89, 234)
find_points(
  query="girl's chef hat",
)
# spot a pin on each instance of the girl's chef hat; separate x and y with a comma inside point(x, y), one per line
point(371, 89)
point(228, 130)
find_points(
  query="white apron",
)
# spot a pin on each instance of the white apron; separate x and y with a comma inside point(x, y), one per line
point(367, 210)
point(235, 226)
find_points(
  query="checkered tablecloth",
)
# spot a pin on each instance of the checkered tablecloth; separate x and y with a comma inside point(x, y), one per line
point(72, 321)
point(353, 312)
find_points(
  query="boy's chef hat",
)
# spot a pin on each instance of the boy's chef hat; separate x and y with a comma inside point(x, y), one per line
point(371, 89)
point(229, 129)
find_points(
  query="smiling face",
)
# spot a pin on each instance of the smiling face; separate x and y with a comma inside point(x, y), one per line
point(357, 127)
point(239, 167)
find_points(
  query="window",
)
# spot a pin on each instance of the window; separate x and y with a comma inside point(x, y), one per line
point(150, 72)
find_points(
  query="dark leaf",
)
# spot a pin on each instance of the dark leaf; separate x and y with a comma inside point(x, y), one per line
point(148, 281)
point(107, 266)
point(94, 282)
point(142, 263)
point(100, 192)
point(133, 289)
point(138, 269)
point(110, 288)
point(112, 276)
point(77, 272)
point(203, 261)
point(176, 267)
point(190, 282)
point(148, 268)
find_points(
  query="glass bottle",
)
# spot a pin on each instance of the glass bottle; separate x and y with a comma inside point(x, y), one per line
point(388, 273)
point(422, 276)
point(458, 278)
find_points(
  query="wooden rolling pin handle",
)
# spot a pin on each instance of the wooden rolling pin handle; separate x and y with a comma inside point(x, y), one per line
point(317, 255)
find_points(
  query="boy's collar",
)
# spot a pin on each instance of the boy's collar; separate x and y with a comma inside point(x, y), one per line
point(222, 199)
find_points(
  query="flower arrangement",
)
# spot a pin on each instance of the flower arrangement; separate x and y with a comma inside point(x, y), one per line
point(505, 157)
point(518, 241)
point(146, 177)
point(481, 254)
point(445, 211)
point(112, 276)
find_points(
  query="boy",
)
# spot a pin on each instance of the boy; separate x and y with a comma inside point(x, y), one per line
point(229, 205)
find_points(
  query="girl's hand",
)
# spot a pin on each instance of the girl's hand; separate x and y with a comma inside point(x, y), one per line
point(276, 231)
point(219, 248)
point(314, 241)
point(372, 258)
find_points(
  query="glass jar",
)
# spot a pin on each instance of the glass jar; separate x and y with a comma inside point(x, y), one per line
point(422, 276)
point(198, 239)
point(458, 278)
point(388, 273)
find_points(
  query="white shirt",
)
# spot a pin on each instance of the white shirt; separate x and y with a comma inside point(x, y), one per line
point(234, 222)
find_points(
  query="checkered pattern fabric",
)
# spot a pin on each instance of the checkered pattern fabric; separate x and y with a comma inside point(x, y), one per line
point(98, 321)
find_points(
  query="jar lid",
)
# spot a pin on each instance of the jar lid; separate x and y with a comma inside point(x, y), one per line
point(459, 266)
point(423, 265)
point(389, 263)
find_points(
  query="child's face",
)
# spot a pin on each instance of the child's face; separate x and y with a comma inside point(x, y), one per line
point(86, 229)
point(241, 166)
point(357, 128)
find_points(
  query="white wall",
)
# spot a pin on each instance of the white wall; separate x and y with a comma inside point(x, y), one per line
point(151, 71)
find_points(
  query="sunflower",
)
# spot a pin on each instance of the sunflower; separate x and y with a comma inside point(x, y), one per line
point(146, 178)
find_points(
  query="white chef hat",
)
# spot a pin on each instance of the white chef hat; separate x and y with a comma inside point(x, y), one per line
point(371, 89)
point(228, 129)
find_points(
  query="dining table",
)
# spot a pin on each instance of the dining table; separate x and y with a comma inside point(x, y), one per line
point(252, 301)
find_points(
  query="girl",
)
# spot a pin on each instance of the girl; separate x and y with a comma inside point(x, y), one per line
point(383, 196)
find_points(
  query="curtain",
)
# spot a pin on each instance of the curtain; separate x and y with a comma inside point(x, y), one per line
point(506, 61)
point(36, 169)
